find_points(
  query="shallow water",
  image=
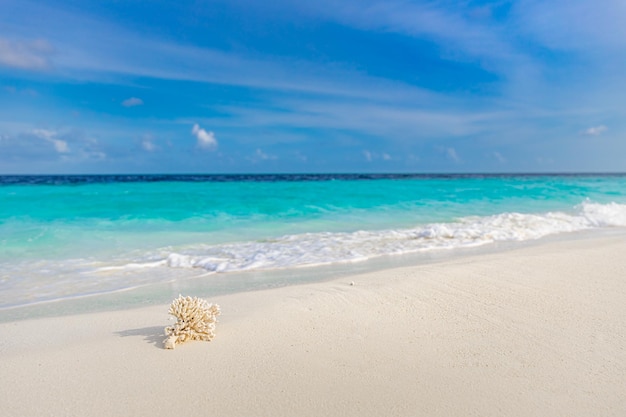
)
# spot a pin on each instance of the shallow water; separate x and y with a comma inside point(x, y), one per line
point(71, 237)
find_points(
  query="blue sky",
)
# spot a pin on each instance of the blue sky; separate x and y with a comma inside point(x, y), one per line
point(326, 86)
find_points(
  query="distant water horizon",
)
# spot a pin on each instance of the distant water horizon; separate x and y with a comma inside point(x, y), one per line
point(72, 178)
point(72, 236)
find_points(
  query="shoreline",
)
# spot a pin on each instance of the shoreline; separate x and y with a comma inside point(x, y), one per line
point(533, 330)
point(215, 285)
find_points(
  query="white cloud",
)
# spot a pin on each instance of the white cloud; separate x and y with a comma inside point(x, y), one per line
point(148, 145)
point(264, 156)
point(498, 156)
point(452, 155)
point(412, 158)
point(61, 146)
point(32, 146)
point(300, 157)
point(131, 102)
point(51, 136)
point(25, 55)
point(205, 140)
point(371, 156)
point(595, 130)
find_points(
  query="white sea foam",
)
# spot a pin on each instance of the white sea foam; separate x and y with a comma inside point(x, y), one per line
point(131, 266)
point(29, 282)
point(311, 249)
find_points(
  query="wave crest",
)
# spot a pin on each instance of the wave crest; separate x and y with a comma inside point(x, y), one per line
point(311, 249)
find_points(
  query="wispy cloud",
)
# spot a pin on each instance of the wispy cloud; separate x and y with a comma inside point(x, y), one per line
point(49, 145)
point(530, 61)
point(451, 154)
point(112, 50)
point(29, 55)
point(261, 155)
point(132, 102)
point(50, 136)
point(580, 43)
point(595, 130)
point(577, 25)
point(463, 32)
point(205, 140)
point(498, 157)
point(147, 144)
point(396, 122)
point(372, 156)
point(25, 92)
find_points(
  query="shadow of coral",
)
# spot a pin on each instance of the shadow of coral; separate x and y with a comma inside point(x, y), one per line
point(152, 335)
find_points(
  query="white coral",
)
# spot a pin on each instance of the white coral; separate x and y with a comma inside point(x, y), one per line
point(196, 320)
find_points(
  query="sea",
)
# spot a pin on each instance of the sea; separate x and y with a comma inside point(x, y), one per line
point(102, 241)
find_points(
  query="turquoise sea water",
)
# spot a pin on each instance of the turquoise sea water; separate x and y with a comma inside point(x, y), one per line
point(67, 237)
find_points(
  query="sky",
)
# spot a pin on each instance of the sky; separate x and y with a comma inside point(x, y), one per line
point(243, 86)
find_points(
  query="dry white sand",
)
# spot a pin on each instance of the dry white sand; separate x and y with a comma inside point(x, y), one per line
point(537, 331)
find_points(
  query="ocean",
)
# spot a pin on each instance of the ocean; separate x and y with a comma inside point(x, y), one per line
point(78, 237)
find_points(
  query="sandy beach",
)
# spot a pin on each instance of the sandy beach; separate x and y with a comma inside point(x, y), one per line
point(534, 331)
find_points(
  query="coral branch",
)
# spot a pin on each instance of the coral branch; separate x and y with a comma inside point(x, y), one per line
point(196, 320)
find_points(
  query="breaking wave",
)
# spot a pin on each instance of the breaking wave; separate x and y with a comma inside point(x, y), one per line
point(310, 249)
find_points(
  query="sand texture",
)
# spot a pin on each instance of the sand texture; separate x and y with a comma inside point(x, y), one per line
point(536, 331)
